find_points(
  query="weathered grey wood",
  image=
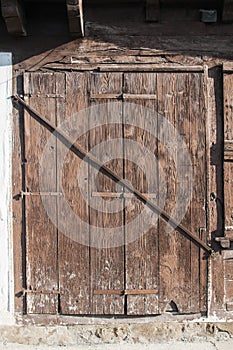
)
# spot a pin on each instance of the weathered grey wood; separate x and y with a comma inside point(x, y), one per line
point(227, 15)
point(13, 15)
point(152, 10)
point(75, 17)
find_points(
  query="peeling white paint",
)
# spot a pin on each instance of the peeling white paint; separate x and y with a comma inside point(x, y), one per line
point(6, 246)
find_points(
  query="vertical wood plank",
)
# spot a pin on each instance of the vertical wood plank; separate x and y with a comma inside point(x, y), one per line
point(73, 249)
point(17, 206)
point(179, 259)
point(168, 257)
point(187, 259)
point(228, 136)
point(215, 208)
point(198, 206)
point(107, 264)
point(41, 234)
point(228, 166)
point(142, 253)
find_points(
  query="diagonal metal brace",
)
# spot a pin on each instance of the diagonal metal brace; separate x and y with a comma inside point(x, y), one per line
point(83, 154)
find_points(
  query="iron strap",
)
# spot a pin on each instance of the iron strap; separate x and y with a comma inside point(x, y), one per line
point(83, 154)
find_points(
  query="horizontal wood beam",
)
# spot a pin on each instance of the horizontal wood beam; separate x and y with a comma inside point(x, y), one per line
point(152, 10)
point(14, 17)
point(227, 14)
point(75, 17)
point(123, 67)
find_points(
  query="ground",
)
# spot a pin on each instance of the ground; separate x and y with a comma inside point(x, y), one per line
point(200, 345)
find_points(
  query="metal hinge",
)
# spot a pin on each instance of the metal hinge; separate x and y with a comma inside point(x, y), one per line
point(225, 241)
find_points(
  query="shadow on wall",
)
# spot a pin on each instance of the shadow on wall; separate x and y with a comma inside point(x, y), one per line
point(179, 30)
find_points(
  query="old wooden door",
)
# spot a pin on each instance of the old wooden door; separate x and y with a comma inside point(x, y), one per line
point(91, 247)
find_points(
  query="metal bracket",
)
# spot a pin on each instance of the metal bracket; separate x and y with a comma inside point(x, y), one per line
point(23, 194)
point(23, 292)
point(225, 242)
point(125, 292)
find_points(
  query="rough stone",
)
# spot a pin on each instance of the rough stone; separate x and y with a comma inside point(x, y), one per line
point(117, 333)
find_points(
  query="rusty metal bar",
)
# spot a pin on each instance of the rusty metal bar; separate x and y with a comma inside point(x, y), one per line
point(35, 291)
point(108, 292)
point(121, 195)
point(22, 194)
point(124, 96)
point(125, 292)
point(83, 154)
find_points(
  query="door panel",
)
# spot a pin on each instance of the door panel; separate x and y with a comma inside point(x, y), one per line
point(122, 261)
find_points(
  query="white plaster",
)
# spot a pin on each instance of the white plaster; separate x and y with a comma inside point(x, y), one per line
point(6, 246)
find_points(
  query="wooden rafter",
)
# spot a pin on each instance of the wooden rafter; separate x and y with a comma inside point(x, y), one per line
point(227, 15)
point(75, 17)
point(13, 15)
point(152, 10)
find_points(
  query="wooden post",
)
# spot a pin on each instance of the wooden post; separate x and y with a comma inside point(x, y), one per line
point(227, 15)
point(152, 10)
point(75, 17)
point(13, 15)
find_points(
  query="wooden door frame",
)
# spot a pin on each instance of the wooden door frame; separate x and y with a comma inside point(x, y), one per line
point(138, 68)
point(6, 246)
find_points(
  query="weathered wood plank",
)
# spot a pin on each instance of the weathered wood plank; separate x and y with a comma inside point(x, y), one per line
point(227, 15)
point(152, 10)
point(41, 234)
point(150, 67)
point(228, 107)
point(228, 194)
point(168, 274)
point(141, 250)
point(73, 239)
point(228, 137)
point(13, 14)
point(107, 248)
point(75, 17)
point(215, 223)
point(197, 131)
point(17, 206)
point(179, 102)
